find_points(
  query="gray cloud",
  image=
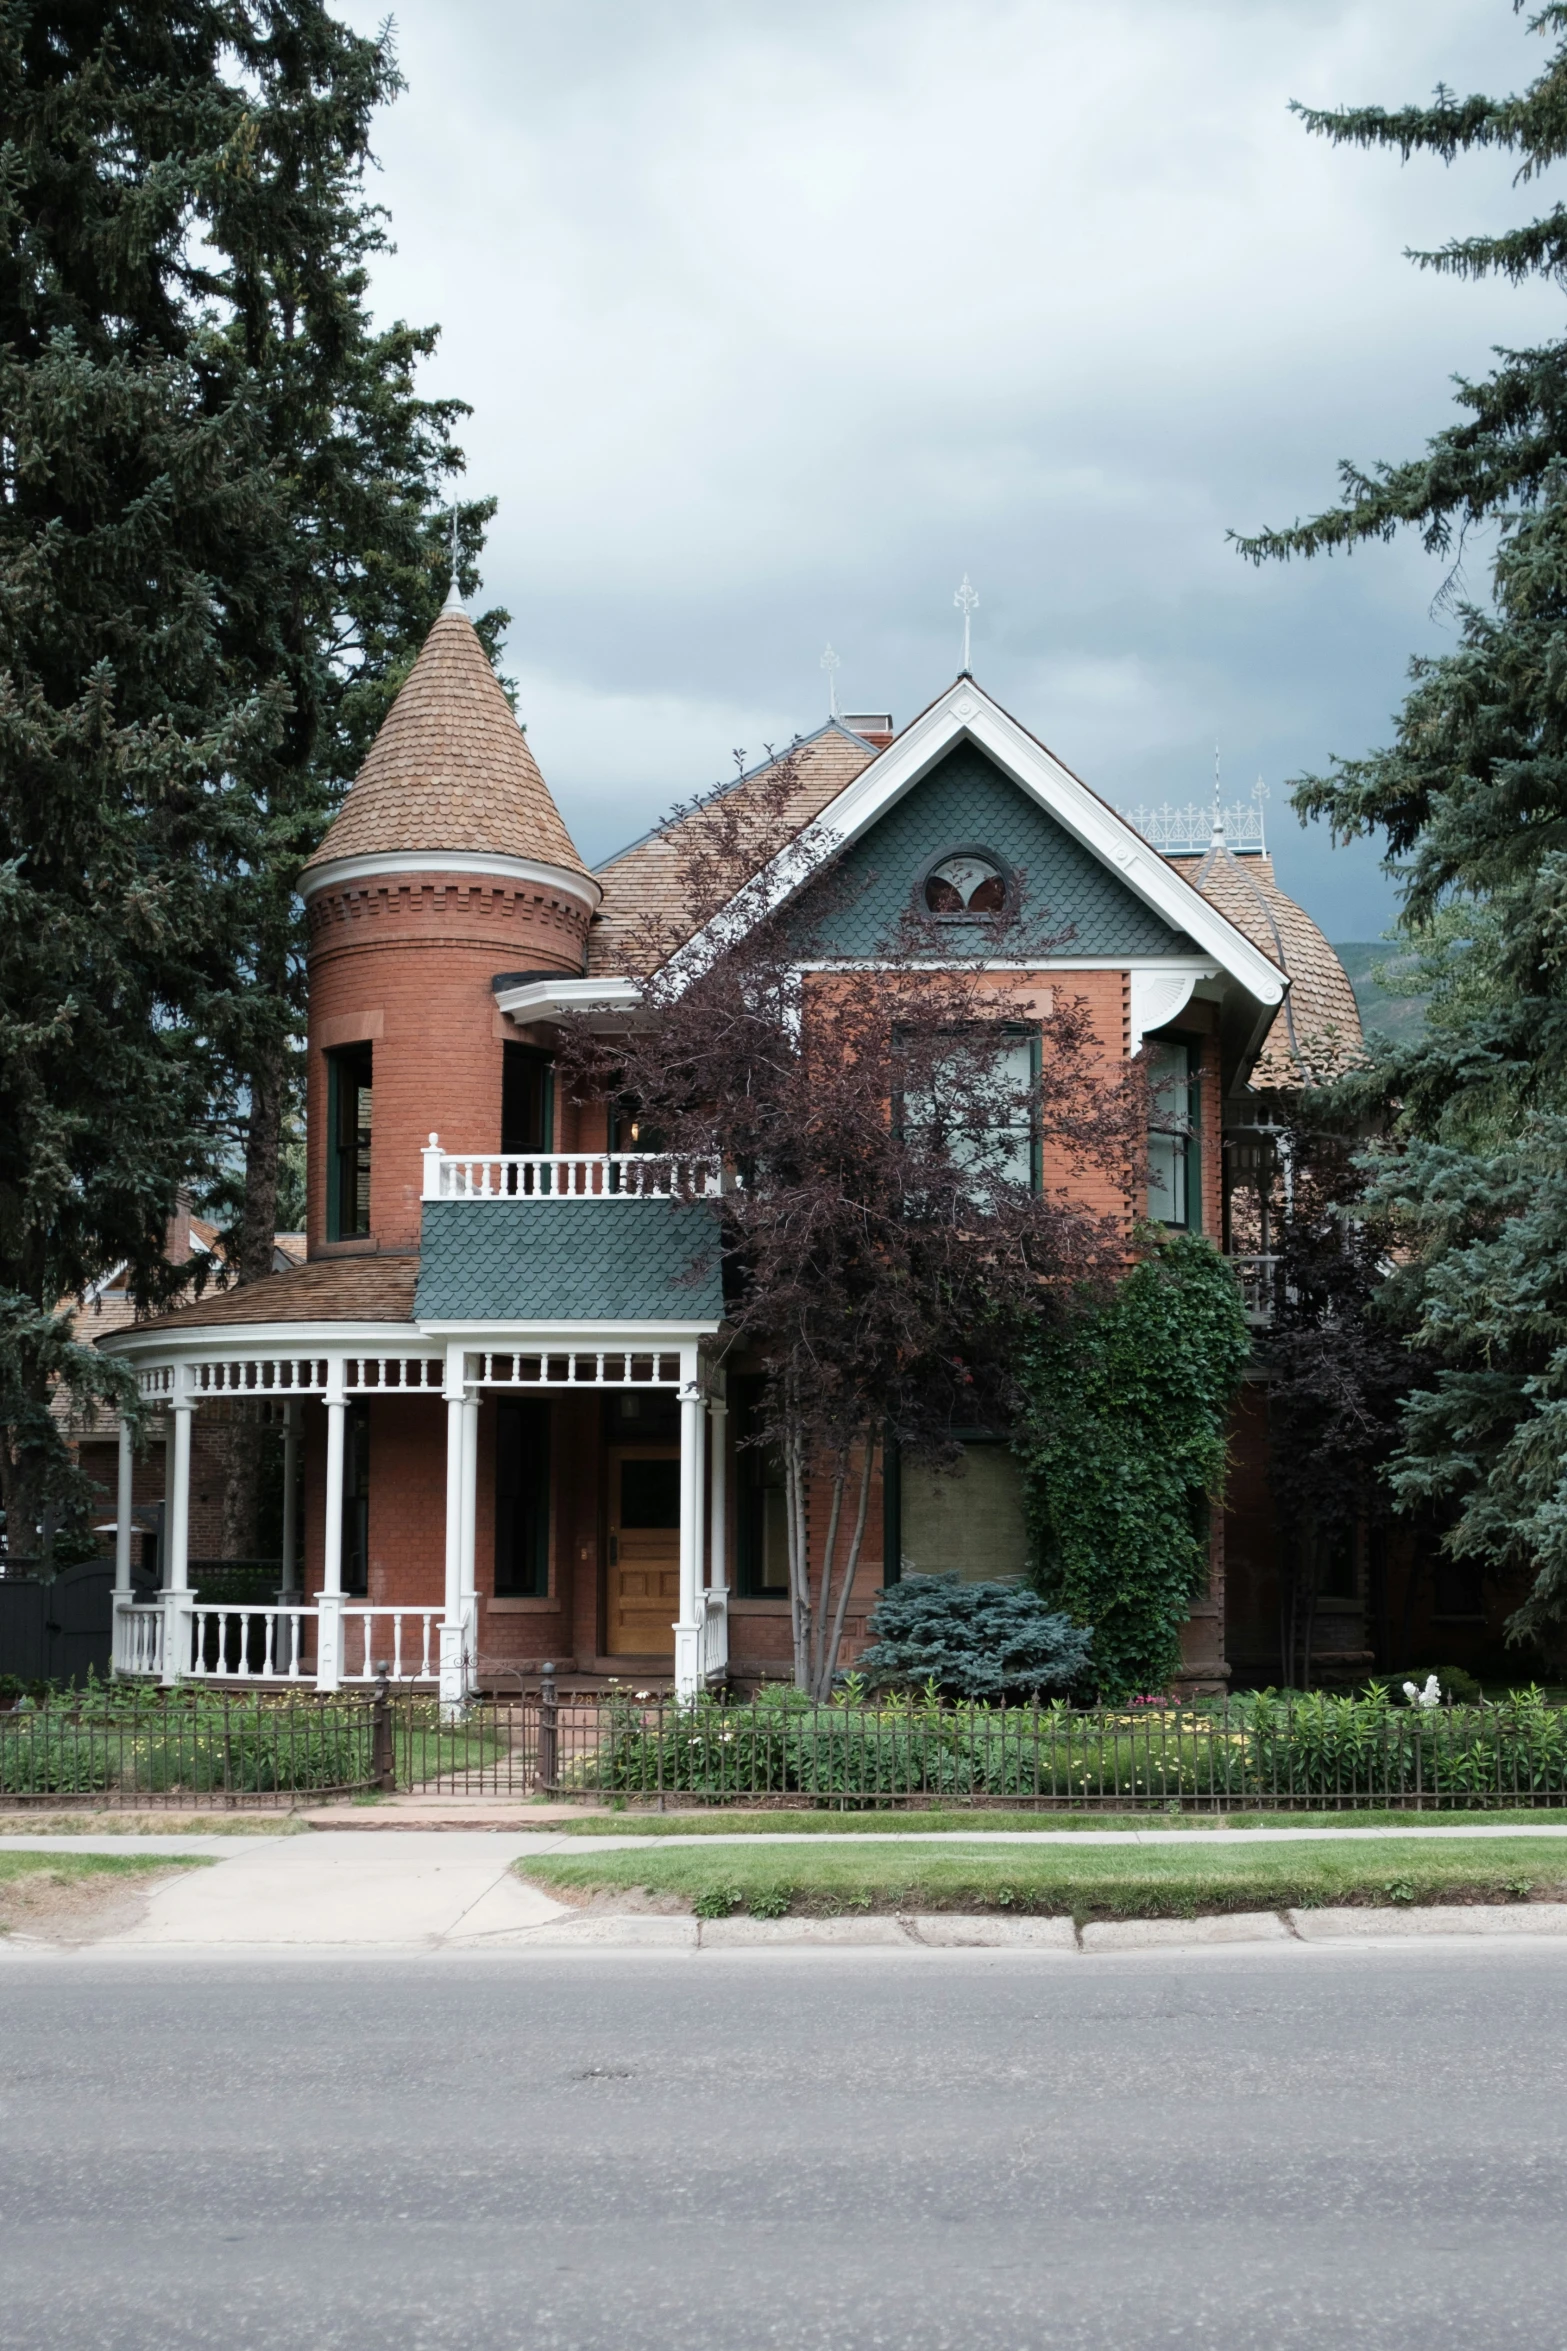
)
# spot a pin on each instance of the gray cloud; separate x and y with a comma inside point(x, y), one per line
point(778, 318)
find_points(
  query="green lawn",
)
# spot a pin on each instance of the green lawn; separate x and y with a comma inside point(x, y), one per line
point(33, 1876)
point(89, 1865)
point(1096, 1881)
point(733, 1822)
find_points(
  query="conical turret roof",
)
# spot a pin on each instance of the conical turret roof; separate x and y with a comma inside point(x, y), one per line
point(450, 770)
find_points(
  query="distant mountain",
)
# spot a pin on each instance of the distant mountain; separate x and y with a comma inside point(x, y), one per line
point(1399, 1017)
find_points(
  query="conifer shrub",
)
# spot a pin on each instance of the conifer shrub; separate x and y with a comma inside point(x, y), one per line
point(993, 1641)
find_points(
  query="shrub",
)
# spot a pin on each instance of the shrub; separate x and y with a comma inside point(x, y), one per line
point(973, 1640)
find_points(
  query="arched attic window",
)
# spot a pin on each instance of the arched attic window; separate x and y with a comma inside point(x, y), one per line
point(966, 881)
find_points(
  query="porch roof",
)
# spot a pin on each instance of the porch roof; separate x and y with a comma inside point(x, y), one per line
point(539, 1260)
point(370, 1289)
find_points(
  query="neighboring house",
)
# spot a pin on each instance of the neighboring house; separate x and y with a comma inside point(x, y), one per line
point(495, 1374)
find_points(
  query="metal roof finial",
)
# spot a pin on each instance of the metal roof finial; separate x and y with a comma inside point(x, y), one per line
point(454, 602)
point(831, 664)
point(966, 599)
point(1218, 812)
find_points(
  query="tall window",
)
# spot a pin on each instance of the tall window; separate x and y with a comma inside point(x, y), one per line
point(982, 1114)
point(762, 1526)
point(527, 1099)
point(356, 1496)
point(522, 1500)
point(349, 1098)
point(1173, 1187)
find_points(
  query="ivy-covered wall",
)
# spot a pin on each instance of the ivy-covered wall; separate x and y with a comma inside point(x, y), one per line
point(1122, 1438)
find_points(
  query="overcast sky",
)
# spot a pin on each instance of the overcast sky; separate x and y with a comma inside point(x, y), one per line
point(778, 316)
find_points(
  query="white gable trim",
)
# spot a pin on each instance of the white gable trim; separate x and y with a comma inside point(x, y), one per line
point(966, 712)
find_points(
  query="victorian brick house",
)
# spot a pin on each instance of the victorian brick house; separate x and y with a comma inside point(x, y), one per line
point(505, 1434)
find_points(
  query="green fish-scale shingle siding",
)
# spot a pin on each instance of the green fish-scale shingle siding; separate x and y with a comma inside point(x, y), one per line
point(568, 1261)
point(967, 803)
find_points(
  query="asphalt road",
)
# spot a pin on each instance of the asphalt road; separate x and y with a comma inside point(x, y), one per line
point(974, 2150)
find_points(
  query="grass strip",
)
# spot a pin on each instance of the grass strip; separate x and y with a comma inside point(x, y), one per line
point(151, 1824)
point(977, 1824)
point(63, 1866)
point(1095, 1882)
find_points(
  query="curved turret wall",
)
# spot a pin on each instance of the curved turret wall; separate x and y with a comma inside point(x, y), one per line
point(404, 962)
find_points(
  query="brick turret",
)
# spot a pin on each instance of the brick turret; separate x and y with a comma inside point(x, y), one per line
point(447, 863)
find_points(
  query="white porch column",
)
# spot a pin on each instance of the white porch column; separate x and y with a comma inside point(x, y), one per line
point(715, 1634)
point(453, 1667)
point(688, 1627)
point(329, 1615)
point(176, 1535)
point(468, 1560)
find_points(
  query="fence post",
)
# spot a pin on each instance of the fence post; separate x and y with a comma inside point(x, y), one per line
point(549, 1718)
point(383, 1768)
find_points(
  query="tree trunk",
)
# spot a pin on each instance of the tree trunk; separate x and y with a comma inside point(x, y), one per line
point(263, 1151)
point(850, 1570)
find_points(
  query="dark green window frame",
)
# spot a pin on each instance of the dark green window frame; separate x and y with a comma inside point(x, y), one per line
point(350, 1077)
point(1184, 1143)
point(758, 1475)
point(527, 1099)
point(1015, 1031)
point(522, 1499)
point(356, 1497)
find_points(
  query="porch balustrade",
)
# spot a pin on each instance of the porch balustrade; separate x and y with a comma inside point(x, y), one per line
point(1258, 1278)
point(567, 1175)
point(274, 1644)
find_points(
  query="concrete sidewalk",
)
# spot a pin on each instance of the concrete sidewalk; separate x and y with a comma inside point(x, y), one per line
point(454, 1891)
point(419, 1892)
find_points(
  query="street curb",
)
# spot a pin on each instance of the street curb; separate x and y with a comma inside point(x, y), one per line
point(1154, 1934)
point(1358, 1926)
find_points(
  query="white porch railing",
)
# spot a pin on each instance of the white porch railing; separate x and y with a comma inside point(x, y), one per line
point(406, 1641)
point(1258, 1278)
point(272, 1644)
point(567, 1175)
point(244, 1644)
point(138, 1639)
point(712, 1652)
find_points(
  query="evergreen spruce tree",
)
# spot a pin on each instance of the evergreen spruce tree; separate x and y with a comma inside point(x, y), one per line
point(220, 543)
point(1468, 1192)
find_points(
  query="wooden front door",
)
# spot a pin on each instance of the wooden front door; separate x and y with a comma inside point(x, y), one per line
point(644, 1550)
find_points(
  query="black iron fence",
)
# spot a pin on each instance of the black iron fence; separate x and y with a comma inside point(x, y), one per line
point(144, 1750)
point(1267, 1753)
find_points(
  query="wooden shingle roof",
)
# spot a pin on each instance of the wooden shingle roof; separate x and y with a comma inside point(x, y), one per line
point(329, 1289)
point(450, 769)
point(642, 885)
point(1316, 1030)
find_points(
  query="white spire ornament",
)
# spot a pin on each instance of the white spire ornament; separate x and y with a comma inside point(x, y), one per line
point(454, 602)
point(966, 599)
point(831, 664)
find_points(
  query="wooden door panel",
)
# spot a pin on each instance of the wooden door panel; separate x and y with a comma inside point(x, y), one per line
point(643, 1584)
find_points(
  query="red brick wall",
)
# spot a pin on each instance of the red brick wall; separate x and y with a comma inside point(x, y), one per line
point(407, 964)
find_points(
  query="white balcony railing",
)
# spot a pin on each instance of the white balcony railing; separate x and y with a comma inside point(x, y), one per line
point(1258, 1278)
point(566, 1175)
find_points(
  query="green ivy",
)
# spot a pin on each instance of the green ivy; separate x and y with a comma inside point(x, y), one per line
point(1122, 1437)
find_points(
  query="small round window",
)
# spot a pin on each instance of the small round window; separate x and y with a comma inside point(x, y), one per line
point(967, 884)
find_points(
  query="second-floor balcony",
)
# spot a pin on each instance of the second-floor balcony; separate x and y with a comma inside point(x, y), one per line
point(567, 1175)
